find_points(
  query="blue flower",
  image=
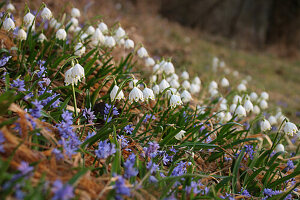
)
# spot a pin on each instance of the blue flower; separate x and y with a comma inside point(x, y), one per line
point(149, 117)
point(61, 191)
point(58, 154)
point(89, 115)
point(290, 165)
point(19, 84)
point(105, 149)
point(24, 168)
point(128, 129)
point(36, 112)
point(121, 188)
point(130, 170)
point(4, 60)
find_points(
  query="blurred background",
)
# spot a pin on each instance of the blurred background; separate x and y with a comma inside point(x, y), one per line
point(259, 38)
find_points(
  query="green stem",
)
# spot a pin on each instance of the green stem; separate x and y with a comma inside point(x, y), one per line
point(75, 104)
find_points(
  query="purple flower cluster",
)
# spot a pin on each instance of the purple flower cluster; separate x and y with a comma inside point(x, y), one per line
point(2, 140)
point(180, 169)
point(62, 191)
point(124, 142)
point(105, 149)
point(36, 111)
point(25, 169)
point(107, 115)
point(269, 193)
point(151, 150)
point(148, 117)
point(195, 187)
point(121, 188)
point(58, 154)
point(128, 129)
point(290, 165)
point(41, 73)
point(250, 151)
point(130, 170)
point(89, 115)
point(19, 84)
point(4, 60)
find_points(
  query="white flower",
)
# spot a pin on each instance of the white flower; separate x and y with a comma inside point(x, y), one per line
point(175, 84)
point(265, 125)
point(132, 83)
point(148, 94)
point(222, 64)
point(120, 33)
point(256, 110)
point(79, 49)
point(8, 24)
point(156, 89)
point(136, 95)
point(248, 105)
point(61, 34)
point(10, 7)
point(197, 80)
point(241, 87)
point(279, 148)
point(221, 116)
point(236, 73)
point(290, 128)
point(213, 92)
point(46, 13)
point(110, 42)
point(194, 88)
point(237, 99)
point(113, 94)
point(272, 120)
point(232, 108)
point(153, 78)
point(129, 44)
point(168, 68)
point(263, 104)
point(223, 106)
point(42, 37)
point(215, 63)
point(77, 72)
point(240, 111)
point(74, 22)
point(142, 52)
point(213, 85)
point(53, 23)
point(185, 75)
point(186, 84)
point(103, 27)
point(185, 96)
point(121, 42)
point(97, 38)
point(149, 62)
point(227, 117)
point(224, 82)
point(22, 35)
point(90, 30)
point(175, 100)
point(68, 77)
point(298, 135)
point(180, 135)
point(253, 96)
point(174, 77)
point(28, 19)
point(172, 91)
point(163, 85)
point(264, 95)
point(156, 69)
point(75, 12)
point(84, 36)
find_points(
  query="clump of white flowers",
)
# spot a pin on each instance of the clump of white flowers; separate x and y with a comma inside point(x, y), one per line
point(75, 12)
point(175, 100)
point(74, 74)
point(148, 94)
point(142, 52)
point(114, 95)
point(136, 95)
point(290, 128)
point(61, 34)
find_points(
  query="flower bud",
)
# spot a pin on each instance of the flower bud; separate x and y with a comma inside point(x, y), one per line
point(75, 12)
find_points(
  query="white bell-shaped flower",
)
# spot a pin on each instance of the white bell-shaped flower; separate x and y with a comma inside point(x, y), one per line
point(155, 89)
point(256, 110)
point(148, 94)
point(120, 33)
point(213, 85)
point(115, 95)
point(237, 99)
point(77, 73)
point(263, 104)
point(223, 106)
point(79, 49)
point(220, 116)
point(90, 30)
point(110, 42)
point(290, 128)
point(264, 95)
point(265, 125)
point(180, 135)
point(46, 13)
point(103, 27)
point(224, 82)
point(272, 120)
point(174, 84)
point(97, 38)
point(10, 7)
point(186, 84)
point(42, 37)
point(194, 89)
point(253, 96)
point(9, 24)
point(240, 111)
point(175, 100)
point(142, 52)
point(172, 91)
point(197, 80)
point(28, 19)
point(185, 75)
point(129, 44)
point(213, 92)
point(248, 106)
point(68, 77)
point(61, 34)
point(168, 68)
point(133, 83)
point(75, 12)
point(163, 85)
point(53, 23)
point(149, 62)
point(136, 95)
point(227, 117)
point(279, 148)
point(153, 78)
point(241, 87)
point(22, 35)
point(157, 69)
point(185, 96)
point(232, 108)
